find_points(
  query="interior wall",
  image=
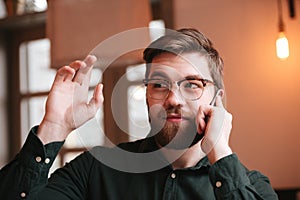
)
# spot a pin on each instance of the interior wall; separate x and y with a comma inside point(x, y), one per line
point(3, 128)
point(262, 91)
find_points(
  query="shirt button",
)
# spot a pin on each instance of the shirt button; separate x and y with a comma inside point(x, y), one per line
point(218, 184)
point(23, 194)
point(38, 159)
point(47, 160)
point(173, 175)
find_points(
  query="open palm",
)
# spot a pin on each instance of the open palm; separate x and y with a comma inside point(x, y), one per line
point(67, 105)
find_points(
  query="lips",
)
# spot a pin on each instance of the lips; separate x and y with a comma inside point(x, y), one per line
point(174, 118)
point(173, 115)
point(177, 116)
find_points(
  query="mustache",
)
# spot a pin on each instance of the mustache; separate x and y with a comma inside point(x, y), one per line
point(163, 113)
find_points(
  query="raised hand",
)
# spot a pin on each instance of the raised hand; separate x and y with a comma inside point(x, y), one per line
point(67, 105)
point(216, 123)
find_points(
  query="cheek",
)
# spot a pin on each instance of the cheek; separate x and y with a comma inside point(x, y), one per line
point(205, 99)
point(155, 109)
point(157, 116)
point(207, 96)
point(193, 108)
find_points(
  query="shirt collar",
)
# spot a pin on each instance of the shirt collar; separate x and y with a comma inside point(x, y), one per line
point(149, 145)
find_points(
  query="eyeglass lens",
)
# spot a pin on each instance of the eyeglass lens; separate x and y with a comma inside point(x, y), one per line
point(189, 89)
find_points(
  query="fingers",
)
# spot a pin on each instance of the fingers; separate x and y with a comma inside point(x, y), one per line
point(202, 118)
point(205, 111)
point(78, 71)
point(65, 73)
point(83, 74)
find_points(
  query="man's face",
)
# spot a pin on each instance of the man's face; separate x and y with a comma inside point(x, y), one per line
point(173, 118)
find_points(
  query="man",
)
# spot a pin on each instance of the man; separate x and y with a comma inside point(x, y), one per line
point(186, 156)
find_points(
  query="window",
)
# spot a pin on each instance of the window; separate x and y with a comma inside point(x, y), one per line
point(35, 82)
point(138, 124)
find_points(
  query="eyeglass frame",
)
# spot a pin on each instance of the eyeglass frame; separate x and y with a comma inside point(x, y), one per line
point(170, 83)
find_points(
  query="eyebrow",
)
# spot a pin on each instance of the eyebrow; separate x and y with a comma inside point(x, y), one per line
point(163, 75)
point(193, 77)
point(159, 74)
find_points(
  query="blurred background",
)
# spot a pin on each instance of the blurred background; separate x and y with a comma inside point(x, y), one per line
point(37, 37)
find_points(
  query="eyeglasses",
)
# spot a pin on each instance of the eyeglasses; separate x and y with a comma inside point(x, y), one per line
point(190, 89)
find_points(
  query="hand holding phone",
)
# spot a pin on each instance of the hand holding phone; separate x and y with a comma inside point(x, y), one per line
point(214, 124)
point(212, 103)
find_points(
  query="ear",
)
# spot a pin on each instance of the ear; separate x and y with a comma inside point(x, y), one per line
point(221, 93)
point(223, 96)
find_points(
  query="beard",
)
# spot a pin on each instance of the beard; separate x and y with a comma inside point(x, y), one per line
point(175, 135)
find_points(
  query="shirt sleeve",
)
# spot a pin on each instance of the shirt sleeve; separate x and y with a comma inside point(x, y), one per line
point(27, 174)
point(231, 180)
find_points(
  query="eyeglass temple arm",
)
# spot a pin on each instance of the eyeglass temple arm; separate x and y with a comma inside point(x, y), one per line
point(213, 101)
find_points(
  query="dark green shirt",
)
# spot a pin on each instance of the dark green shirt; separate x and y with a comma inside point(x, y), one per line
point(26, 177)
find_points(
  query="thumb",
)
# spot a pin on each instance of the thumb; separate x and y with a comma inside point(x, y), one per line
point(96, 101)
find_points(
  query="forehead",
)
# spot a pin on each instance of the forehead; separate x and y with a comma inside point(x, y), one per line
point(183, 65)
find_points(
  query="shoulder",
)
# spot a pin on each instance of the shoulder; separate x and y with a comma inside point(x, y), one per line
point(255, 175)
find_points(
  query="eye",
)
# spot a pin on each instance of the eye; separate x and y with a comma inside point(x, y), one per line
point(192, 84)
point(157, 84)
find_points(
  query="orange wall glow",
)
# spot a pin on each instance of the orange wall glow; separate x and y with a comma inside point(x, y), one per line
point(263, 91)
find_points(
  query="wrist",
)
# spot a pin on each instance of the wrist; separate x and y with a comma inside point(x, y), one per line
point(51, 132)
point(218, 153)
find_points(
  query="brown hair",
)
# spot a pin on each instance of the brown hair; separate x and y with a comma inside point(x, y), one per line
point(187, 40)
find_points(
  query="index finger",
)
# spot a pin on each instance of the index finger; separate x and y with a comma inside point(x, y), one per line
point(84, 72)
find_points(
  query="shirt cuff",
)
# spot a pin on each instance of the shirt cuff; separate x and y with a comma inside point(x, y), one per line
point(227, 175)
point(35, 153)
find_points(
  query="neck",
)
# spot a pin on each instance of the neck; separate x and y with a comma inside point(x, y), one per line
point(186, 158)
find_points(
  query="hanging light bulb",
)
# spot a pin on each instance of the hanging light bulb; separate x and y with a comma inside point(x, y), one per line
point(282, 43)
point(282, 46)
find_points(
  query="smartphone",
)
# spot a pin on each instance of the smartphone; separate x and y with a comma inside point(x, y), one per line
point(213, 101)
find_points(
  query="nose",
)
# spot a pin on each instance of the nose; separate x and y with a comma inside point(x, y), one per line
point(174, 98)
